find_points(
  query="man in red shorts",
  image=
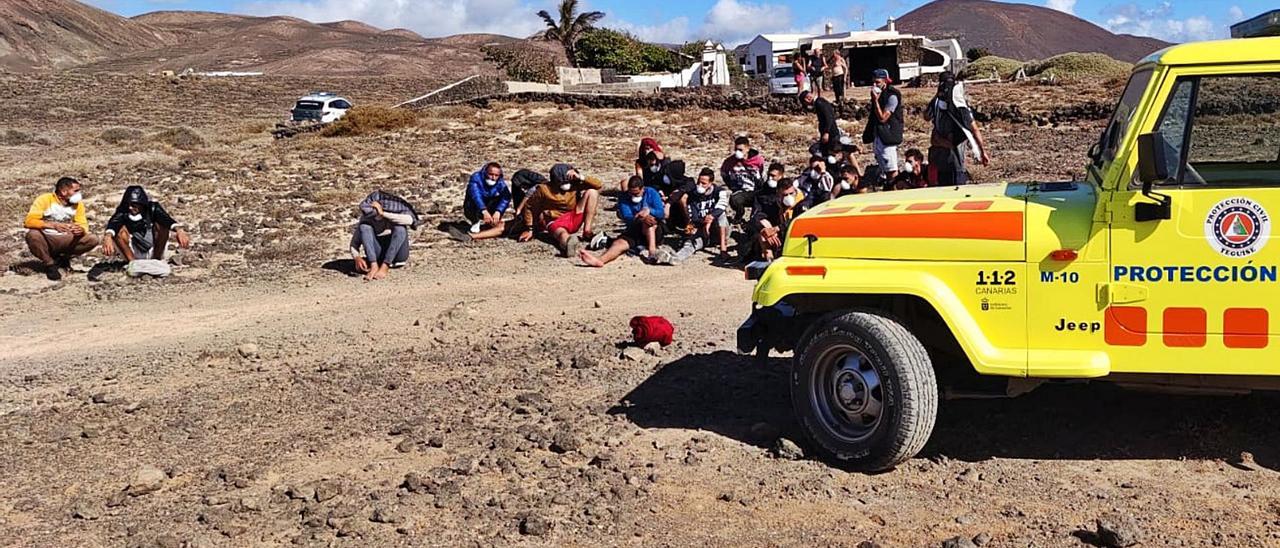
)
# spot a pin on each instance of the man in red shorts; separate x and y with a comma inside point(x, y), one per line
point(563, 208)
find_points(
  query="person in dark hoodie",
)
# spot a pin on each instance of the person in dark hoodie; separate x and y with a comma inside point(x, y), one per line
point(743, 173)
point(140, 228)
point(954, 133)
point(828, 124)
point(649, 153)
point(772, 214)
point(382, 234)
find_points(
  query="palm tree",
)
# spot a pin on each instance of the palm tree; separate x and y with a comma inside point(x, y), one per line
point(570, 27)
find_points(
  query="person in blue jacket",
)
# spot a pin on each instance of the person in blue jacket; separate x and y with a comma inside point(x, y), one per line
point(642, 212)
point(488, 199)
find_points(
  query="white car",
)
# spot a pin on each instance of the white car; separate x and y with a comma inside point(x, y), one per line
point(783, 81)
point(320, 107)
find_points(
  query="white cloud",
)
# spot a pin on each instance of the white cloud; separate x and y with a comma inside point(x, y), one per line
point(735, 22)
point(1065, 6)
point(1156, 22)
point(1235, 15)
point(426, 17)
point(673, 31)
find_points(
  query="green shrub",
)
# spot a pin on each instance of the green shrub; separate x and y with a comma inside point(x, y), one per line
point(620, 51)
point(983, 67)
point(522, 63)
point(1079, 67)
point(183, 138)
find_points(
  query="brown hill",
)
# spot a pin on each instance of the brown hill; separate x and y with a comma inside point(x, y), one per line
point(1021, 31)
point(52, 34)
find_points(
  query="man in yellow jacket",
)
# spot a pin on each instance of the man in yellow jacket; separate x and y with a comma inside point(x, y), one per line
point(57, 229)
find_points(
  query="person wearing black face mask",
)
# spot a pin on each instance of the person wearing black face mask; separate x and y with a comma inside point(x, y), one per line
point(140, 228)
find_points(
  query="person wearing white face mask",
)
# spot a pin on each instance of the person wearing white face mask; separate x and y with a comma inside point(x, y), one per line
point(57, 228)
point(642, 213)
point(850, 182)
point(563, 208)
point(772, 215)
point(140, 228)
point(816, 183)
point(487, 200)
point(706, 205)
point(743, 173)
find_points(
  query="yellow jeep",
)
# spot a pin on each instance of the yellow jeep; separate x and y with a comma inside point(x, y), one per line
point(1155, 271)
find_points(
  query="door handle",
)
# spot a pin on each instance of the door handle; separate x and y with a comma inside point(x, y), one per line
point(1115, 293)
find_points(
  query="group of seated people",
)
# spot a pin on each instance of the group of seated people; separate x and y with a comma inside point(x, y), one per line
point(58, 230)
point(659, 202)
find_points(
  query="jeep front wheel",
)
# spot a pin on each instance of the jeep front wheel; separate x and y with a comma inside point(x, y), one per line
point(864, 390)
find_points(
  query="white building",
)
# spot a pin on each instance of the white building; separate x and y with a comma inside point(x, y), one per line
point(767, 51)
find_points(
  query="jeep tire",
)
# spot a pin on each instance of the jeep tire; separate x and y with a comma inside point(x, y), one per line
point(864, 390)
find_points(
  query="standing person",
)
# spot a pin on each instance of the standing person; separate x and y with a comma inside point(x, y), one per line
point(772, 215)
point(884, 125)
point(953, 130)
point(839, 75)
point(706, 205)
point(140, 228)
point(800, 71)
point(743, 173)
point(382, 234)
point(816, 182)
point(828, 127)
point(564, 208)
point(817, 71)
point(642, 213)
point(487, 200)
point(57, 229)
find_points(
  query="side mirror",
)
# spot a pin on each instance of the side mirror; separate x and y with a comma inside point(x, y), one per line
point(1152, 168)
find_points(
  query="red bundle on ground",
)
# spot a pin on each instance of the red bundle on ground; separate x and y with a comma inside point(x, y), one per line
point(647, 329)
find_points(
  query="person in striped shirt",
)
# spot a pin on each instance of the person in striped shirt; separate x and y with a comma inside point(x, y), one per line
point(57, 229)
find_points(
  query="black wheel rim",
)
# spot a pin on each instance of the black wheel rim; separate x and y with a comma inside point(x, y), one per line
point(846, 394)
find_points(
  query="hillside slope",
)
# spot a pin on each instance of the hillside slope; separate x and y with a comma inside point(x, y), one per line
point(54, 34)
point(1021, 31)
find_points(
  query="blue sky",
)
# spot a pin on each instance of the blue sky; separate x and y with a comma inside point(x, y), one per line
point(732, 21)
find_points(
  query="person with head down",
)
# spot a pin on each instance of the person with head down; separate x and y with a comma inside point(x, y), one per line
point(564, 209)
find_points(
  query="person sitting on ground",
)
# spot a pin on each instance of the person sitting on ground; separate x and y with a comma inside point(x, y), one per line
point(523, 184)
point(705, 204)
point(850, 182)
point(816, 183)
point(775, 173)
point(140, 228)
point(642, 212)
point(563, 208)
point(382, 234)
point(486, 201)
point(914, 175)
point(828, 126)
point(57, 229)
point(649, 154)
point(772, 214)
point(884, 125)
point(743, 173)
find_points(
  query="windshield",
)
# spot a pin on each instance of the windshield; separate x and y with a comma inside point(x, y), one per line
point(783, 72)
point(1119, 125)
point(309, 105)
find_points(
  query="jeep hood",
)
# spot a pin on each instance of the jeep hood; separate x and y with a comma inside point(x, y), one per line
point(966, 223)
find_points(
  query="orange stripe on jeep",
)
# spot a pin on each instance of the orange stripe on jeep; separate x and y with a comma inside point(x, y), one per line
point(1125, 326)
point(974, 206)
point(879, 207)
point(1245, 327)
point(997, 225)
point(1185, 327)
point(925, 206)
point(836, 210)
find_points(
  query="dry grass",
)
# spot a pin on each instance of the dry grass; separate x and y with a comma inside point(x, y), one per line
point(182, 138)
point(367, 120)
point(556, 141)
point(12, 137)
point(119, 135)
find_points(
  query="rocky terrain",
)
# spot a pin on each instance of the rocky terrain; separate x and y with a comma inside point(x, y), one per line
point(485, 395)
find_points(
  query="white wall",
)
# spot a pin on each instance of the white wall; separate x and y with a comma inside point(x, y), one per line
point(570, 76)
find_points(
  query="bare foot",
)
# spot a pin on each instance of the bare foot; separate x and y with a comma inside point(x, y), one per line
point(371, 275)
point(381, 272)
point(588, 259)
